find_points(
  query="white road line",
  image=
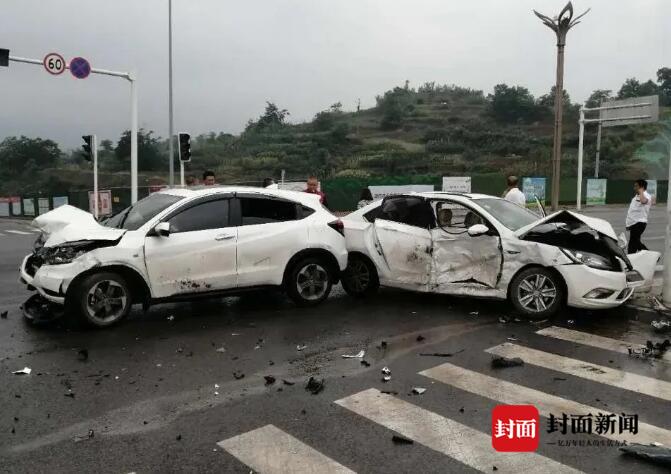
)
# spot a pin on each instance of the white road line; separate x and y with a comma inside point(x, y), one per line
point(509, 393)
point(462, 443)
point(270, 450)
point(593, 340)
point(598, 373)
point(20, 232)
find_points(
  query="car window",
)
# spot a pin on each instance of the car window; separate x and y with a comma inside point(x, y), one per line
point(455, 217)
point(203, 216)
point(510, 215)
point(408, 210)
point(135, 216)
point(265, 211)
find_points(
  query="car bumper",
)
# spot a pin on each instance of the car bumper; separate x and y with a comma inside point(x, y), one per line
point(581, 280)
point(50, 281)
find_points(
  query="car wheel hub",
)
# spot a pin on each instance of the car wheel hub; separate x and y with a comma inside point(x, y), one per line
point(312, 281)
point(536, 293)
point(106, 301)
point(359, 276)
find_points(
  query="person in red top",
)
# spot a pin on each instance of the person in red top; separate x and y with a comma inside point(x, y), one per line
point(313, 188)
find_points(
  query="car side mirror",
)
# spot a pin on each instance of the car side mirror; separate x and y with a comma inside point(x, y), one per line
point(477, 229)
point(162, 229)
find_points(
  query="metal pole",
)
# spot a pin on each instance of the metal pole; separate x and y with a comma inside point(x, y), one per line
point(559, 110)
point(666, 287)
point(171, 131)
point(181, 173)
point(94, 145)
point(581, 135)
point(598, 150)
point(133, 139)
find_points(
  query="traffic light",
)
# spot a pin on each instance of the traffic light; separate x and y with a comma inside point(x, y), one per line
point(4, 57)
point(88, 151)
point(184, 147)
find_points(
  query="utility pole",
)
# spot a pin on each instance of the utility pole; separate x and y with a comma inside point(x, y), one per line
point(171, 130)
point(598, 151)
point(560, 25)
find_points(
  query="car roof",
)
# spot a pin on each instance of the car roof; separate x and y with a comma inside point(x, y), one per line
point(201, 191)
point(444, 194)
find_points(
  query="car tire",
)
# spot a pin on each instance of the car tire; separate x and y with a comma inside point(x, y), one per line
point(536, 292)
point(360, 278)
point(309, 281)
point(100, 300)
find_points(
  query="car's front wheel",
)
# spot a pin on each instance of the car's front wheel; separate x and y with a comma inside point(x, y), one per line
point(100, 299)
point(360, 277)
point(536, 292)
point(309, 281)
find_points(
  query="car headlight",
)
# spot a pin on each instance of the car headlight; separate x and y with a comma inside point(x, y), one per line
point(65, 253)
point(590, 259)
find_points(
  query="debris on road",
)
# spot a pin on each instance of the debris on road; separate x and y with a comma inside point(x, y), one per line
point(88, 435)
point(314, 386)
point(386, 378)
point(286, 382)
point(170, 318)
point(259, 344)
point(570, 322)
point(179, 437)
point(269, 379)
point(418, 390)
point(512, 339)
point(397, 439)
point(83, 355)
point(651, 349)
point(386, 374)
point(441, 354)
point(4, 314)
point(235, 334)
point(238, 375)
point(420, 338)
point(473, 313)
point(69, 394)
point(24, 371)
point(358, 355)
point(221, 350)
point(504, 362)
point(503, 320)
point(382, 346)
point(365, 363)
point(389, 392)
point(300, 348)
point(661, 325)
point(658, 305)
point(653, 453)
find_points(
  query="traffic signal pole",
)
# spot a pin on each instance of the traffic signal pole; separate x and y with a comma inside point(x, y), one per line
point(94, 151)
point(133, 120)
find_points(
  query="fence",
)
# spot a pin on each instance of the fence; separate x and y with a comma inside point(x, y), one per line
point(343, 193)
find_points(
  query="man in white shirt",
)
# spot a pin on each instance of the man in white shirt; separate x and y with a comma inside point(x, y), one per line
point(513, 193)
point(637, 215)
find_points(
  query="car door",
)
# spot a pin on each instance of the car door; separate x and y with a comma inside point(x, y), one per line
point(404, 242)
point(198, 255)
point(463, 263)
point(270, 232)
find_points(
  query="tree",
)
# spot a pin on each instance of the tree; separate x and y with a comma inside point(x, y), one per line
point(512, 104)
point(597, 97)
point(548, 100)
point(273, 118)
point(630, 88)
point(395, 105)
point(664, 81)
point(149, 156)
point(23, 156)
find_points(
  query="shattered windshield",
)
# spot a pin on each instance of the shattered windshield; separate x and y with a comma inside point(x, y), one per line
point(135, 216)
point(510, 215)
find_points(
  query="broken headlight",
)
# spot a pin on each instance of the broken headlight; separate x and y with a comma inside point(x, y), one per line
point(65, 253)
point(590, 259)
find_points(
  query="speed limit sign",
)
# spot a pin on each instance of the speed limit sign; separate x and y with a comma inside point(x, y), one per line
point(54, 63)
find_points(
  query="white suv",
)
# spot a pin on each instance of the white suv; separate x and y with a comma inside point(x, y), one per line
point(181, 244)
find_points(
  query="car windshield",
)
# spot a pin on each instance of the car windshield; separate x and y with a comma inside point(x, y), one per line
point(510, 215)
point(135, 216)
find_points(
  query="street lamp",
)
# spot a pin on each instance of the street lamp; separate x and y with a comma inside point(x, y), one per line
point(560, 25)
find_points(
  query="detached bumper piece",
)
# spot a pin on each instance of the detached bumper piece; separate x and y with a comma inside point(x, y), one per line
point(38, 309)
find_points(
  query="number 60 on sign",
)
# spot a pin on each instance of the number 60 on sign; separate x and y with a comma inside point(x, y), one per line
point(54, 63)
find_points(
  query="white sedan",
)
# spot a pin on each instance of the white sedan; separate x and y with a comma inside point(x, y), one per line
point(484, 246)
point(181, 244)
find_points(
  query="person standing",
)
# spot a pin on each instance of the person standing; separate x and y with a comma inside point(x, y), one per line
point(637, 215)
point(513, 193)
point(313, 188)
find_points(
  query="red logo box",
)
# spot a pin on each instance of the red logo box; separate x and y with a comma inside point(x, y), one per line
point(515, 428)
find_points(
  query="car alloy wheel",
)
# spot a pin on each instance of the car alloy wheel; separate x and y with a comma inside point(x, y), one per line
point(358, 275)
point(106, 301)
point(536, 293)
point(312, 282)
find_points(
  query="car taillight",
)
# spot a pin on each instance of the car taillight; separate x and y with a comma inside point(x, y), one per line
point(338, 226)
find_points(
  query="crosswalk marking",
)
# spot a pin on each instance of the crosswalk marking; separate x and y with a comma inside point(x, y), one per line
point(270, 450)
point(462, 443)
point(20, 232)
point(593, 340)
point(512, 394)
point(578, 368)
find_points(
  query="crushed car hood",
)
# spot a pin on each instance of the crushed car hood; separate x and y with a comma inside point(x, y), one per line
point(70, 224)
point(599, 225)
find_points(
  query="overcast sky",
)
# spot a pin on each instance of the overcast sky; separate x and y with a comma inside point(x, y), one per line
point(232, 56)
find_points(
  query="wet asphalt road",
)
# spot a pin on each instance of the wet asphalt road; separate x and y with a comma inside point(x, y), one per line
point(147, 390)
